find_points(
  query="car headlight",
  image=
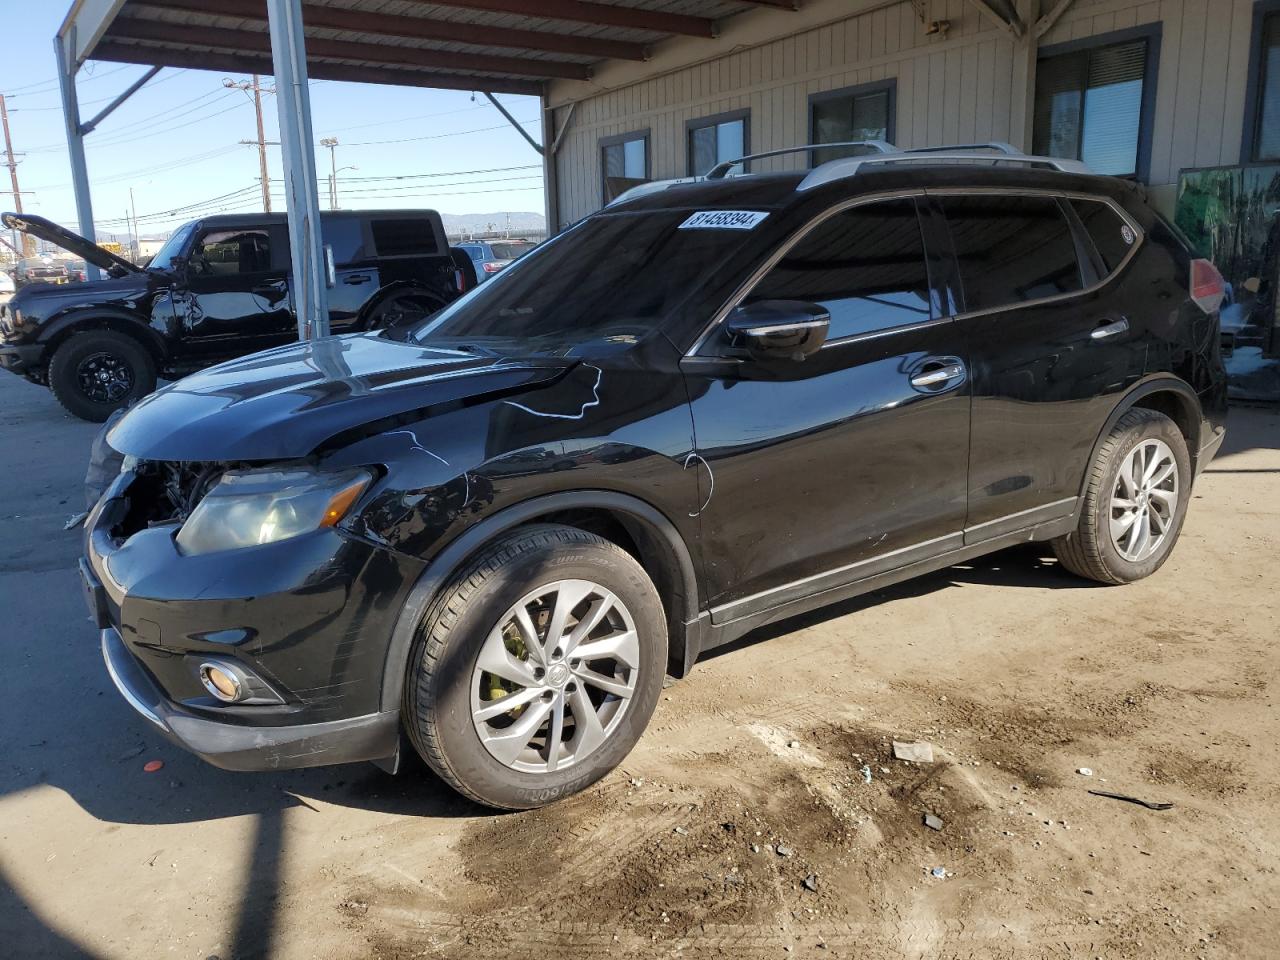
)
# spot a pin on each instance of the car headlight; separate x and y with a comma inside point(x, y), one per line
point(251, 507)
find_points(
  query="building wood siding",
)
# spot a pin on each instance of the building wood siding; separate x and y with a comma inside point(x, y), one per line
point(952, 89)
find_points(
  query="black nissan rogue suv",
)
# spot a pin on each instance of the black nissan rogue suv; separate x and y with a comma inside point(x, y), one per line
point(218, 288)
point(495, 532)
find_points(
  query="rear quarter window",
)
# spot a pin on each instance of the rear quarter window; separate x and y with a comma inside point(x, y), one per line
point(404, 237)
point(1012, 250)
point(1112, 237)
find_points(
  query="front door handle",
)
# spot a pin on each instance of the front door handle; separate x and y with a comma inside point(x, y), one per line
point(937, 374)
point(1112, 329)
point(357, 278)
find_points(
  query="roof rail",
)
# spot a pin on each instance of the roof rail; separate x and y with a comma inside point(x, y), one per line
point(850, 166)
point(998, 145)
point(652, 186)
point(721, 170)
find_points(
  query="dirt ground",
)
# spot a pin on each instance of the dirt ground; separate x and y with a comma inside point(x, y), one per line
point(744, 825)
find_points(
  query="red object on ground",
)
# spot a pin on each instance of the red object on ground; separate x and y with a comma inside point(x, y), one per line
point(151, 766)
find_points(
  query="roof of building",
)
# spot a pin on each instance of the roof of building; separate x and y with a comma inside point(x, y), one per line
point(509, 46)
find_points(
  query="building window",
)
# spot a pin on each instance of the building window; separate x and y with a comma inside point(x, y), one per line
point(713, 140)
point(855, 113)
point(1262, 136)
point(1094, 102)
point(624, 162)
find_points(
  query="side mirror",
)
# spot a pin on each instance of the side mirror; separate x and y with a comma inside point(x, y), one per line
point(779, 329)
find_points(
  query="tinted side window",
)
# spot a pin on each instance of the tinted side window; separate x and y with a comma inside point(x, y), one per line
point(346, 236)
point(865, 265)
point(225, 252)
point(404, 238)
point(1011, 249)
point(1112, 237)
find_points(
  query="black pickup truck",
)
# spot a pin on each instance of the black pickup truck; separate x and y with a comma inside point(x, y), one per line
point(219, 288)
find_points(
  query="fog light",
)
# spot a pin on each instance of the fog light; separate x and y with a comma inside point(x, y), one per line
point(222, 681)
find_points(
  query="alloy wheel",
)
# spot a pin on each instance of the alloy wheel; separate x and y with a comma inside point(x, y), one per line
point(555, 676)
point(1144, 503)
point(104, 377)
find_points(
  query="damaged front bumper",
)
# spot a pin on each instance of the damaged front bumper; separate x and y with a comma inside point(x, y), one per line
point(371, 737)
point(308, 619)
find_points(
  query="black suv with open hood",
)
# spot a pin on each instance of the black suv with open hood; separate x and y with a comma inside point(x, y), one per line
point(218, 288)
point(708, 407)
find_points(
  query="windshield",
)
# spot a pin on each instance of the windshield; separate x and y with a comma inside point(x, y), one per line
point(617, 275)
point(163, 260)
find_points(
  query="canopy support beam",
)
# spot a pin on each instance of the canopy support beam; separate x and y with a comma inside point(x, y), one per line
point(75, 146)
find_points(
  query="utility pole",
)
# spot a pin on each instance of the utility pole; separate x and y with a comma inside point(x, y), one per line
point(28, 243)
point(137, 241)
point(332, 144)
point(256, 87)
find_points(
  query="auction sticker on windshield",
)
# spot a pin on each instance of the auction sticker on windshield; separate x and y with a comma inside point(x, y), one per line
point(723, 220)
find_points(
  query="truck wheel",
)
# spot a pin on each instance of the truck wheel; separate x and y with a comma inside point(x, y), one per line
point(1135, 502)
point(402, 310)
point(98, 371)
point(536, 670)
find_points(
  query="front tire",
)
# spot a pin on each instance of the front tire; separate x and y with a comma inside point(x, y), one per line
point(566, 631)
point(1135, 502)
point(97, 372)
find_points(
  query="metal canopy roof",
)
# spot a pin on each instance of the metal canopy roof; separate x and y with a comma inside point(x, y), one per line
point(503, 46)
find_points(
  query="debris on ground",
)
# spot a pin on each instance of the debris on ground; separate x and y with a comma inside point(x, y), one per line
point(1149, 804)
point(866, 774)
point(939, 873)
point(1084, 772)
point(913, 752)
point(783, 851)
point(811, 883)
point(74, 521)
point(932, 822)
point(681, 831)
point(151, 766)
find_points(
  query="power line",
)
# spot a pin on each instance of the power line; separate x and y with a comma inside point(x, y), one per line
point(54, 82)
point(434, 136)
point(89, 103)
point(175, 164)
point(124, 133)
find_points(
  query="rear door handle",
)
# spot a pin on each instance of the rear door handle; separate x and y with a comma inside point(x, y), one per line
point(1112, 329)
point(357, 279)
point(937, 374)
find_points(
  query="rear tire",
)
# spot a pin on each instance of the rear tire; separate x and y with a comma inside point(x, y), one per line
point(99, 371)
point(402, 310)
point(449, 696)
point(1141, 476)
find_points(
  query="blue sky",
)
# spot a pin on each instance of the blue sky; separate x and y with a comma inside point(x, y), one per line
point(176, 142)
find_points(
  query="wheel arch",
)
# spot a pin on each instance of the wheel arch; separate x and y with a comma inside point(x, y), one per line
point(103, 318)
point(395, 288)
point(636, 526)
point(1164, 394)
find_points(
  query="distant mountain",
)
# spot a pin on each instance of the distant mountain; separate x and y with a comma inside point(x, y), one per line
point(456, 223)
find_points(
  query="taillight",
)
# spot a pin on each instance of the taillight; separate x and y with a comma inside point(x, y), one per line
point(1208, 289)
point(491, 267)
point(460, 280)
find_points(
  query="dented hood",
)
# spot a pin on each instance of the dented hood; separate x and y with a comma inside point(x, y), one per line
point(286, 402)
